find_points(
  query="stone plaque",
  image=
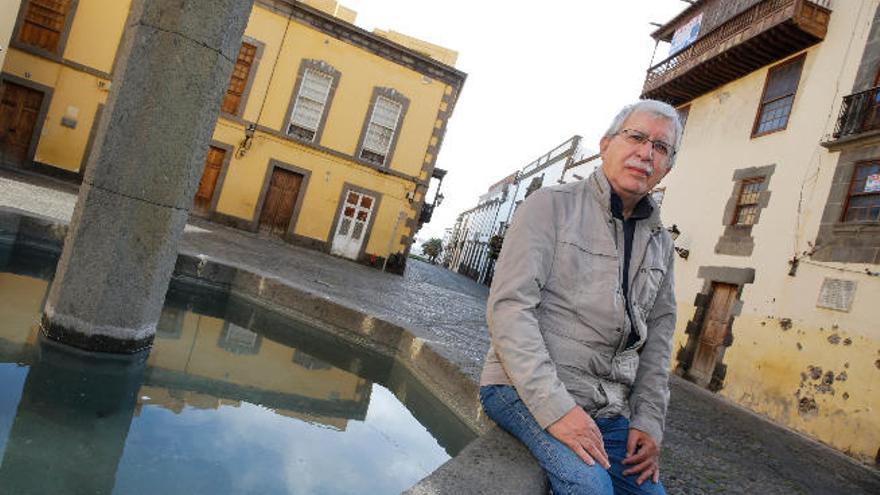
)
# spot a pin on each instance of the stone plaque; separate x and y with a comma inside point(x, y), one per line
point(836, 294)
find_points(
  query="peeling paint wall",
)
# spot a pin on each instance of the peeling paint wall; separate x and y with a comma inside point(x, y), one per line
point(813, 369)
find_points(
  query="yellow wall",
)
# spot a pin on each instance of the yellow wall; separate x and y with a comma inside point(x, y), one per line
point(361, 71)
point(21, 301)
point(445, 55)
point(197, 353)
point(765, 361)
point(94, 36)
point(95, 33)
point(96, 30)
point(8, 14)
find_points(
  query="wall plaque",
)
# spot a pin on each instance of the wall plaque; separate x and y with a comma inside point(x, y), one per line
point(836, 294)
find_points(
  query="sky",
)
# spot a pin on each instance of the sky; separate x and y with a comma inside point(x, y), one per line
point(537, 74)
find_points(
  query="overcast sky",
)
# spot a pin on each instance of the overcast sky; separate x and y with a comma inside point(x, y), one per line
point(538, 73)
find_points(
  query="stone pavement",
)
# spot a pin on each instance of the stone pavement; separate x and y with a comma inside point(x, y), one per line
point(712, 446)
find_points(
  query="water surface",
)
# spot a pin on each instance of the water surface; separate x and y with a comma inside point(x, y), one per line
point(231, 399)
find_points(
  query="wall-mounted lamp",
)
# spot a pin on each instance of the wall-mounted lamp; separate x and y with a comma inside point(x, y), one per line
point(245, 145)
point(674, 232)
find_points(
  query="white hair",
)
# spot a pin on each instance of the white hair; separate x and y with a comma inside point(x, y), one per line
point(653, 107)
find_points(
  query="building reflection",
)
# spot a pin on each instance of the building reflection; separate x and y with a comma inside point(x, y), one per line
point(211, 351)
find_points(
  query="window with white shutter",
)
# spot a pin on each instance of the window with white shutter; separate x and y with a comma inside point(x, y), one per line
point(310, 105)
point(380, 130)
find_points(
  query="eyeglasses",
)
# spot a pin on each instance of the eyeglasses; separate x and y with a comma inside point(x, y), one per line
point(634, 137)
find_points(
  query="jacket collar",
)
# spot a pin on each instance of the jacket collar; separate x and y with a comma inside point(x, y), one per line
point(600, 188)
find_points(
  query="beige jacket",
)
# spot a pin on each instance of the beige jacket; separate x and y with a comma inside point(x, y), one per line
point(556, 310)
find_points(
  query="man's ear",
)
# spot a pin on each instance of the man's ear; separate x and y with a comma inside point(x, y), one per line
point(603, 145)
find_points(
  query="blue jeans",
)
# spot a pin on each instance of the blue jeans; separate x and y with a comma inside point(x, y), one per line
point(567, 473)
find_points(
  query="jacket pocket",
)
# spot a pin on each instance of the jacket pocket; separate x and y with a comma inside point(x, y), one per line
point(652, 276)
point(586, 390)
point(579, 263)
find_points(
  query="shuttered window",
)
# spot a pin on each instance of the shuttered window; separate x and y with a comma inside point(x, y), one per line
point(380, 130)
point(778, 97)
point(239, 80)
point(863, 201)
point(310, 105)
point(43, 23)
point(747, 203)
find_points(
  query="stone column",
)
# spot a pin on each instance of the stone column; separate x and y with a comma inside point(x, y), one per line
point(72, 421)
point(174, 65)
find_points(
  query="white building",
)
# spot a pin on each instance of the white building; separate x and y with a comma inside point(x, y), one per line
point(468, 249)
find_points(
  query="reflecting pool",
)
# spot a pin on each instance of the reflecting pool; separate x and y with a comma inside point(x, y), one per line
point(231, 399)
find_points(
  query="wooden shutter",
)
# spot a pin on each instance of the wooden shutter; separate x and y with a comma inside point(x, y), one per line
point(240, 75)
point(43, 23)
point(310, 102)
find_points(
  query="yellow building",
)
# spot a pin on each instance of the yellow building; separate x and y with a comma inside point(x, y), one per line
point(327, 137)
point(776, 194)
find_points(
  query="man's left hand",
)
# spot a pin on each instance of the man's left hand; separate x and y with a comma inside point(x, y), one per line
point(642, 452)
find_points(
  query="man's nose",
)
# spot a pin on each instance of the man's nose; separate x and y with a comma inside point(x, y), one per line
point(646, 150)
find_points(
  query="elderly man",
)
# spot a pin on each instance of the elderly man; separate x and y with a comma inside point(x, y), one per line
point(581, 315)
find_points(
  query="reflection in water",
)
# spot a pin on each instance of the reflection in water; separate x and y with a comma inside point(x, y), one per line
point(231, 399)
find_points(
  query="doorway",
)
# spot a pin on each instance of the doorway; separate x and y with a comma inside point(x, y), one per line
point(712, 334)
point(351, 228)
point(19, 112)
point(208, 183)
point(281, 198)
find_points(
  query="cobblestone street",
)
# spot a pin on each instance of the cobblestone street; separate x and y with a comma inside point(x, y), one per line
point(712, 446)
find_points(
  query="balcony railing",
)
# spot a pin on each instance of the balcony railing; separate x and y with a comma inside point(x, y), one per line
point(859, 113)
point(762, 34)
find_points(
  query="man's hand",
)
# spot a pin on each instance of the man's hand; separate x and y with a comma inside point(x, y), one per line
point(579, 432)
point(642, 451)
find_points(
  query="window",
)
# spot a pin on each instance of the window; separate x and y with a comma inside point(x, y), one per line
point(380, 130)
point(310, 104)
point(309, 362)
point(239, 81)
point(747, 203)
point(43, 23)
point(863, 201)
point(780, 87)
point(238, 340)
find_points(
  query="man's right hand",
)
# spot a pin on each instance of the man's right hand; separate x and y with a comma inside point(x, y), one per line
point(579, 432)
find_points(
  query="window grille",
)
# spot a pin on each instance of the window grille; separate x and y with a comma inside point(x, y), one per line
point(747, 203)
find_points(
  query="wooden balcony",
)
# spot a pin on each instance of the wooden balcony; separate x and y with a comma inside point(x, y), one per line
point(760, 35)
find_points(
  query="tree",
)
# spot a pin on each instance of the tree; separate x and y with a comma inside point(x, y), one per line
point(495, 244)
point(432, 248)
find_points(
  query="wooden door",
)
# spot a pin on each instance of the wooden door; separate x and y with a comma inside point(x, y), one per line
point(351, 228)
point(208, 182)
point(19, 109)
point(712, 334)
point(280, 201)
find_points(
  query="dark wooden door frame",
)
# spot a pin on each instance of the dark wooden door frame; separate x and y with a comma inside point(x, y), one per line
point(303, 189)
point(41, 116)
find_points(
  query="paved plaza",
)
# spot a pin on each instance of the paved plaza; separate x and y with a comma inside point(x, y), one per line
point(712, 446)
